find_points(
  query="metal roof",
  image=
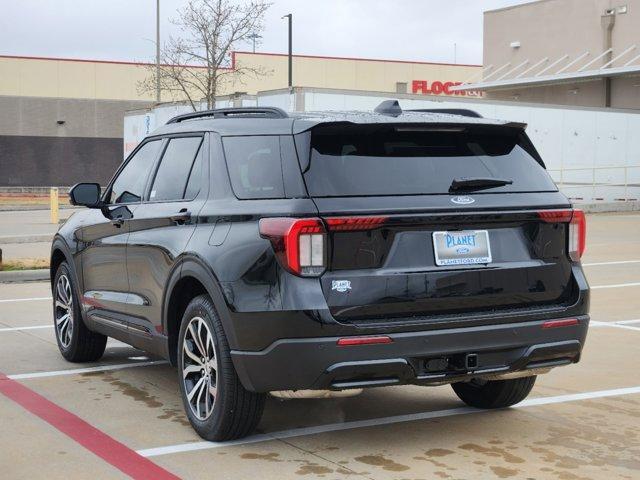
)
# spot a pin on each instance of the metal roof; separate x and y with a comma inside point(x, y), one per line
point(530, 74)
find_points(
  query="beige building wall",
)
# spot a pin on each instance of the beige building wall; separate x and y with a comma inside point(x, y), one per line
point(554, 28)
point(61, 78)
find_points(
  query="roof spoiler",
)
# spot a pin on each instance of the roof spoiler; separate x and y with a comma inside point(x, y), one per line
point(237, 112)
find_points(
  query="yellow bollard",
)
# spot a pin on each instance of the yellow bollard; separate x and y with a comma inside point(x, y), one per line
point(53, 202)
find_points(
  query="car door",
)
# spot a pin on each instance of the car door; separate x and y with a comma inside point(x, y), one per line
point(103, 240)
point(160, 230)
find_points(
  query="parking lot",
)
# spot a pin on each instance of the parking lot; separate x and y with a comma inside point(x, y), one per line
point(123, 415)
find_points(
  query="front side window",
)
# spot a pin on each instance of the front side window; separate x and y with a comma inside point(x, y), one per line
point(128, 187)
point(173, 174)
point(254, 166)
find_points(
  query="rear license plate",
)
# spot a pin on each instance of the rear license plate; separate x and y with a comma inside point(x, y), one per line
point(462, 248)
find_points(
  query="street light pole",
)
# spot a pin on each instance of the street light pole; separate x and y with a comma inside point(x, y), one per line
point(290, 17)
point(254, 36)
point(157, 50)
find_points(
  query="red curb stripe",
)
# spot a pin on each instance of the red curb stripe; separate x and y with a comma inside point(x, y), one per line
point(94, 440)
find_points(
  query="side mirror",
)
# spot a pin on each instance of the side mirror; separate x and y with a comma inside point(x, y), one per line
point(85, 194)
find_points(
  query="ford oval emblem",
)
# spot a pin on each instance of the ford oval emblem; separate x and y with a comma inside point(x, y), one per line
point(462, 200)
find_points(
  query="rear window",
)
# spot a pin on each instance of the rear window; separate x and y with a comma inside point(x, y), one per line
point(254, 166)
point(362, 160)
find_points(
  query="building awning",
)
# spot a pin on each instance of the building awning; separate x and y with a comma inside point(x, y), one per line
point(562, 76)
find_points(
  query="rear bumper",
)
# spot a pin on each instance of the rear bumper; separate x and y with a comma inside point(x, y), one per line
point(428, 357)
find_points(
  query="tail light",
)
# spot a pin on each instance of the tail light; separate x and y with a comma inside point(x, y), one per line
point(299, 243)
point(577, 228)
point(577, 235)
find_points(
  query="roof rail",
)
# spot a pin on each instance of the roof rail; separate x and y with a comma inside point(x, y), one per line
point(451, 111)
point(236, 112)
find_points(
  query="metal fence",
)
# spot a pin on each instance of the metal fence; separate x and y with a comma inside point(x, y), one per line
point(620, 183)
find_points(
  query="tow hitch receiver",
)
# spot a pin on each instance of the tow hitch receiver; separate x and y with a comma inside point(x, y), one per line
point(471, 361)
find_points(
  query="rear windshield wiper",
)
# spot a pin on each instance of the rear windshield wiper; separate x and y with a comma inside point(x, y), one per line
point(477, 183)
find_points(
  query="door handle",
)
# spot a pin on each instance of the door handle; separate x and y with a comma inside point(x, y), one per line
point(181, 217)
point(118, 222)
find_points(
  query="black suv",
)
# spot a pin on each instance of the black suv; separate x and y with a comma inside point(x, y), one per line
point(259, 251)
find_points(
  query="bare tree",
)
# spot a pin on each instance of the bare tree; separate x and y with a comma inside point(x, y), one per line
point(197, 64)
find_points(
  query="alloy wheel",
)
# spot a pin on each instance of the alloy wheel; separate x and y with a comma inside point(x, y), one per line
point(64, 311)
point(199, 368)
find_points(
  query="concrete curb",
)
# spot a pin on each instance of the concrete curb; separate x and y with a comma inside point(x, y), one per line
point(18, 276)
point(609, 207)
point(40, 238)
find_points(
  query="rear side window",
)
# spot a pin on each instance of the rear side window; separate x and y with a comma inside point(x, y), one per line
point(128, 187)
point(175, 169)
point(254, 166)
point(362, 160)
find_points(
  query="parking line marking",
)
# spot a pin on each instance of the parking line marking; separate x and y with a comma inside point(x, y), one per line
point(374, 422)
point(18, 329)
point(623, 322)
point(613, 325)
point(96, 441)
point(598, 264)
point(617, 285)
point(33, 299)
point(75, 371)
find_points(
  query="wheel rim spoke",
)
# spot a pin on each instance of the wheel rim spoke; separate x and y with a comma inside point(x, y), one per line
point(189, 369)
point(62, 321)
point(192, 355)
point(199, 368)
point(196, 388)
point(196, 339)
point(63, 311)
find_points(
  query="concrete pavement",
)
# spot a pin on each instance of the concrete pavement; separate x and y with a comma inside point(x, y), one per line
point(580, 421)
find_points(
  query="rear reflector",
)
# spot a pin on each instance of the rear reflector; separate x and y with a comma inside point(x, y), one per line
point(337, 224)
point(350, 341)
point(555, 216)
point(566, 322)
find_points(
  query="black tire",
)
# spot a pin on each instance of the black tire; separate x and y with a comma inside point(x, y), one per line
point(234, 412)
point(494, 393)
point(75, 341)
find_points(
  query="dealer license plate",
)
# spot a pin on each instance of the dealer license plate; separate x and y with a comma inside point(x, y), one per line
point(462, 247)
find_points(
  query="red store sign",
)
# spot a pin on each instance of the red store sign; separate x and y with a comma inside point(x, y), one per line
point(440, 88)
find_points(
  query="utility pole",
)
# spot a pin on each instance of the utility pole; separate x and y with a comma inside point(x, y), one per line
point(455, 53)
point(157, 50)
point(290, 17)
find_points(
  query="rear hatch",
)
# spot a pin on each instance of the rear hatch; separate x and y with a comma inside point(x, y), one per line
point(429, 221)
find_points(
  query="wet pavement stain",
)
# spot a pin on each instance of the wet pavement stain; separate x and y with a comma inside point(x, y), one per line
point(313, 469)
point(585, 445)
point(269, 457)
point(176, 415)
point(442, 474)
point(503, 472)
point(434, 462)
point(492, 452)
point(381, 461)
point(438, 452)
point(137, 394)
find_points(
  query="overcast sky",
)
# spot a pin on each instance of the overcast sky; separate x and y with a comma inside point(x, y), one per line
point(423, 30)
